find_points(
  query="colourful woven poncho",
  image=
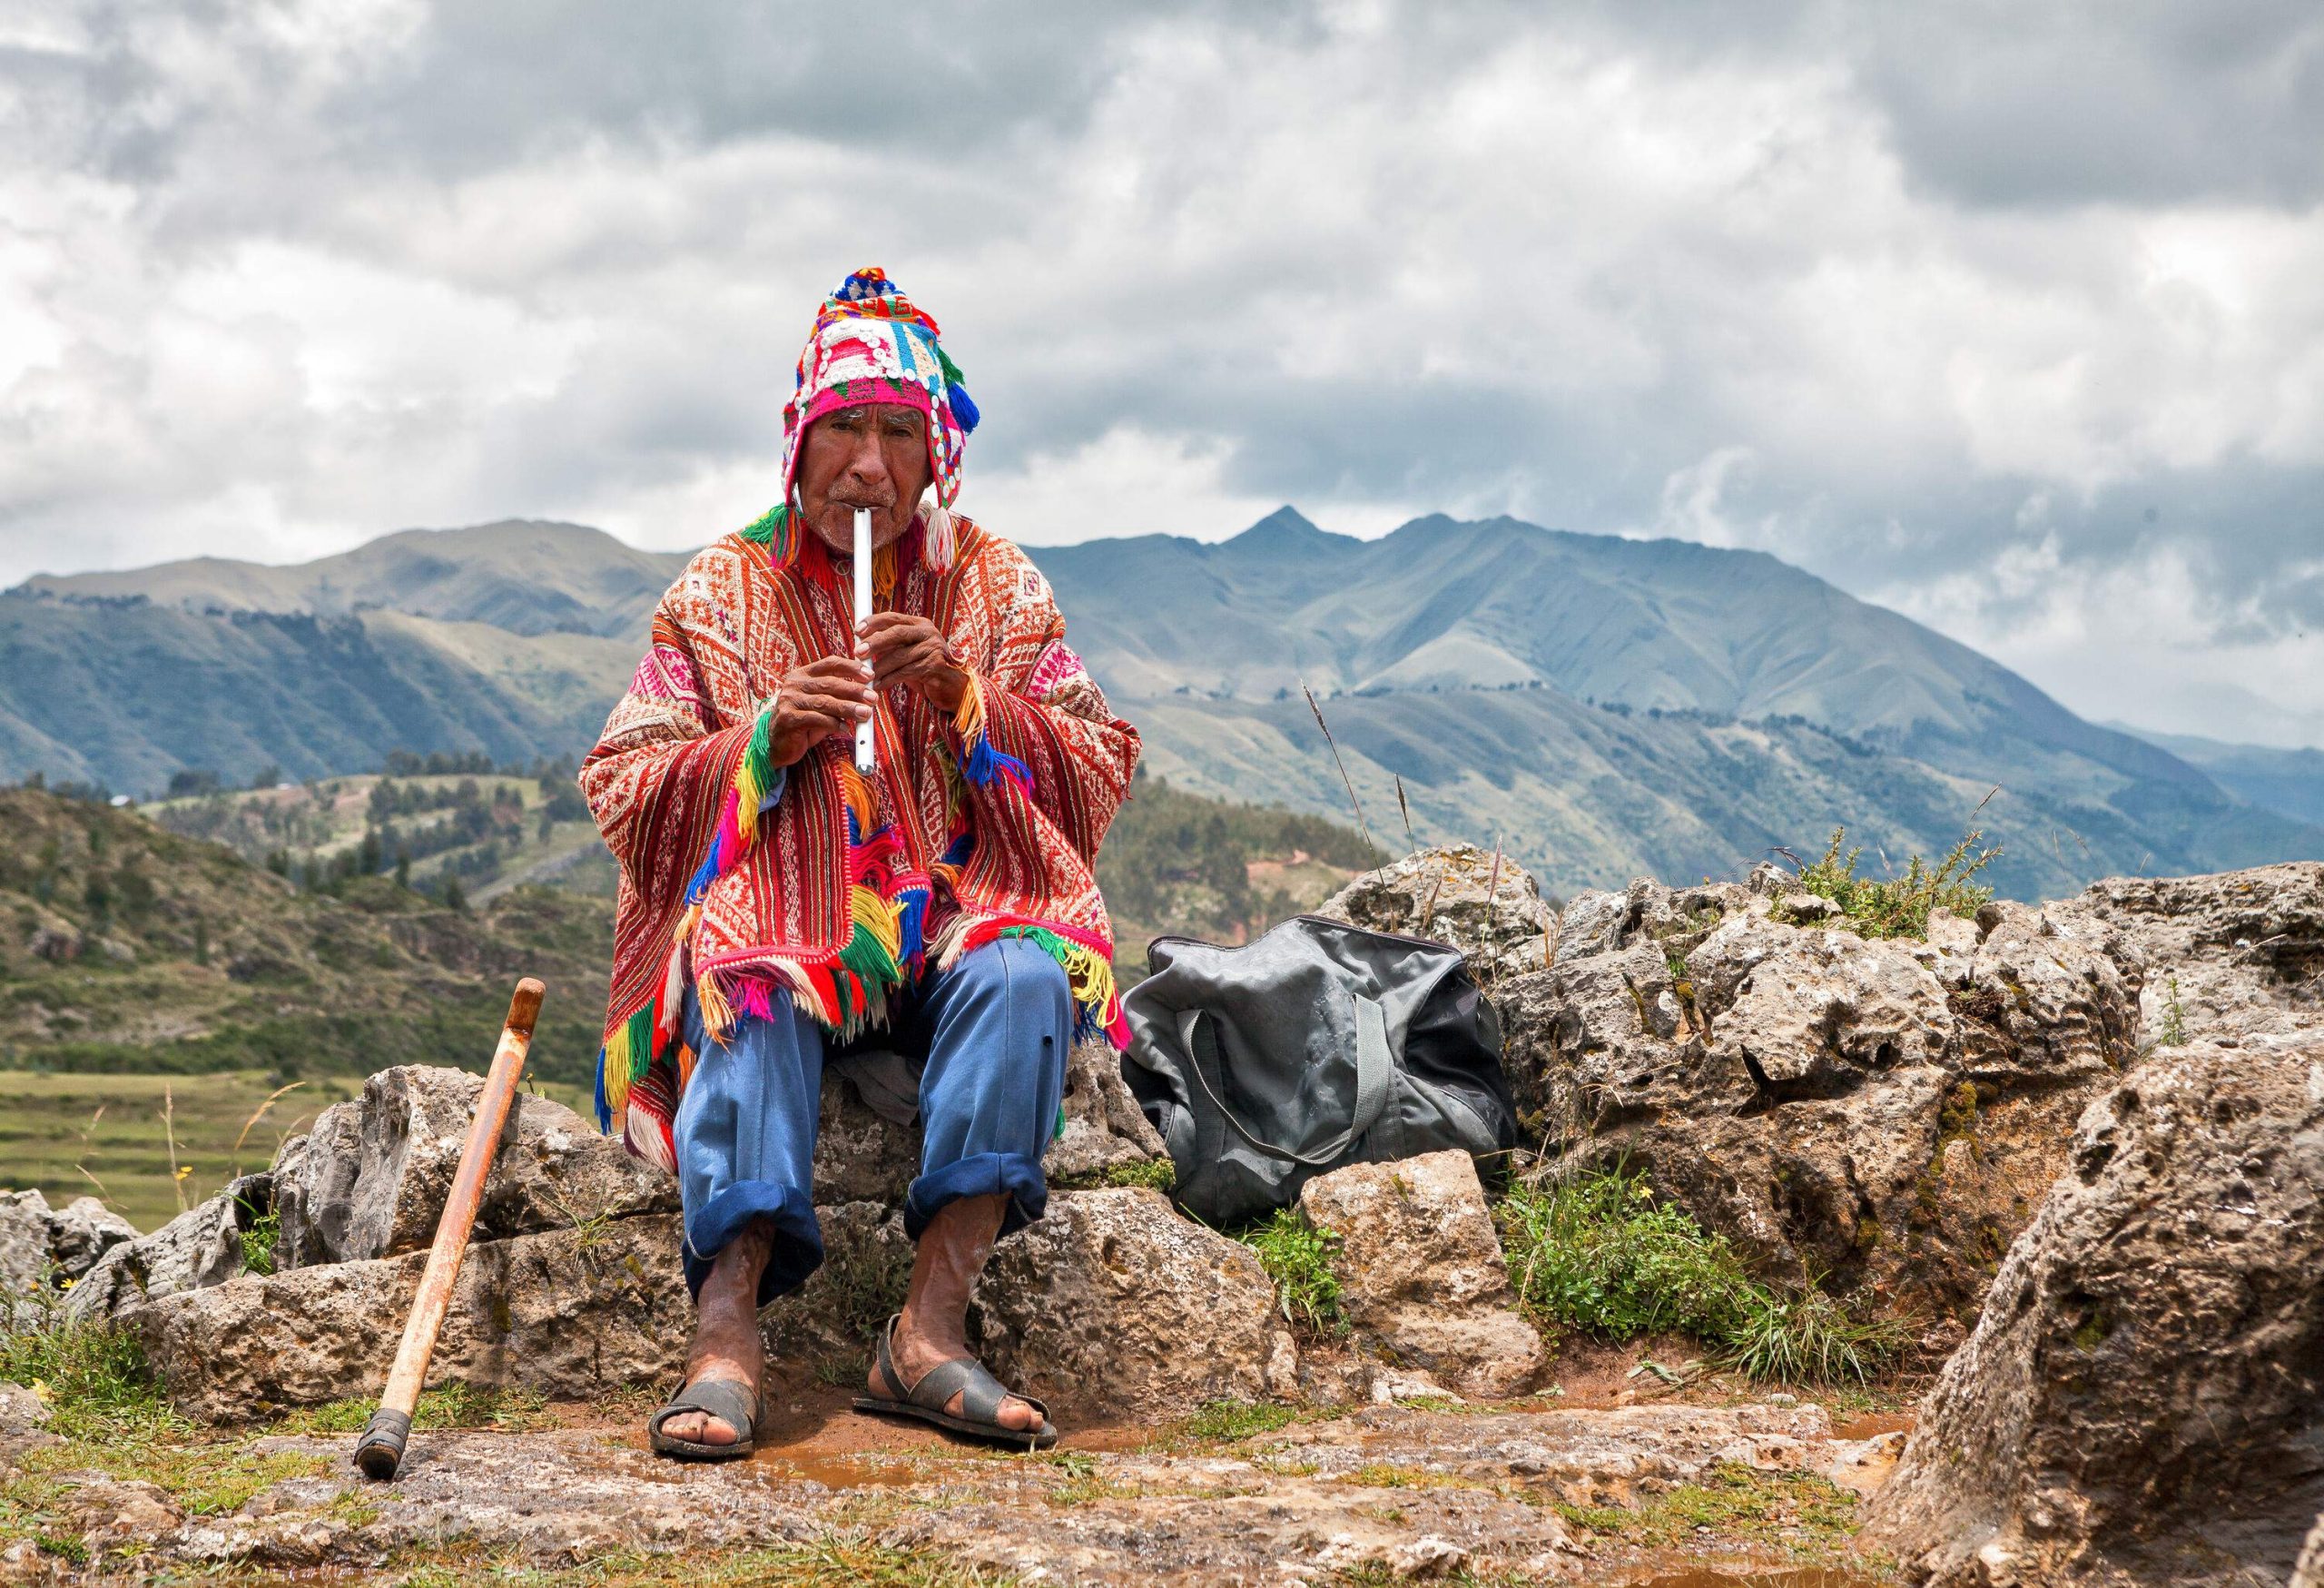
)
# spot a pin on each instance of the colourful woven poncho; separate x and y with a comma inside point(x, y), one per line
point(982, 825)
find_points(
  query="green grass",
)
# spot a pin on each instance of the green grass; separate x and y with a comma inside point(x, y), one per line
point(1225, 1422)
point(1155, 1173)
point(2174, 1019)
point(1900, 906)
point(1298, 1258)
point(1596, 1252)
point(1806, 1516)
point(94, 1378)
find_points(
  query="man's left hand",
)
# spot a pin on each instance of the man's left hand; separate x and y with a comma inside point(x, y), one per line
point(911, 651)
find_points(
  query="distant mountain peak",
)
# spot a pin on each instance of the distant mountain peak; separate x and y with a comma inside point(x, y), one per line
point(1285, 526)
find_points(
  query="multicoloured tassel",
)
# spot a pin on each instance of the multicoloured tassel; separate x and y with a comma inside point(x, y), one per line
point(981, 763)
point(778, 531)
point(1088, 963)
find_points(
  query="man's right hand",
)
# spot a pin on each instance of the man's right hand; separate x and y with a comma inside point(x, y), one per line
point(828, 696)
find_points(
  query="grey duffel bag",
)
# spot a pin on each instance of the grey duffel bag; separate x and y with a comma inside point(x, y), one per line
point(1318, 1045)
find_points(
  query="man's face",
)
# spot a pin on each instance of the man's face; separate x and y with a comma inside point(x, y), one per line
point(873, 455)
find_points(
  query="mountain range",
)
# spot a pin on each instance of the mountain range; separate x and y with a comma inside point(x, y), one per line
point(1601, 707)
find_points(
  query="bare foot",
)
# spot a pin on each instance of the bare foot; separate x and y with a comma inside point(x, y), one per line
point(934, 1329)
point(726, 1343)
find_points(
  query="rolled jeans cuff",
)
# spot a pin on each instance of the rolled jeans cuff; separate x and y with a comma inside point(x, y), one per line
point(798, 1246)
point(980, 1174)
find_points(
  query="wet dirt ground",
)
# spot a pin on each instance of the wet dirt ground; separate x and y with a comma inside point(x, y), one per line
point(1688, 1487)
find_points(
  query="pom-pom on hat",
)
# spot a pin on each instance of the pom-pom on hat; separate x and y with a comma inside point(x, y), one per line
point(872, 344)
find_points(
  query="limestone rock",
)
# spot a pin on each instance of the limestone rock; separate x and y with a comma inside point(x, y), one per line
point(1105, 1129)
point(832, 1319)
point(24, 1243)
point(84, 1230)
point(1882, 1115)
point(567, 1313)
point(862, 1154)
point(23, 1421)
point(1441, 894)
point(371, 1179)
point(1420, 1272)
point(2233, 957)
point(42, 1245)
point(2143, 1397)
point(200, 1247)
point(1114, 1307)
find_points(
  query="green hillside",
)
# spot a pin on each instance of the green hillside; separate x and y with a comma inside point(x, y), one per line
point(165, 972)
point(1606, 707)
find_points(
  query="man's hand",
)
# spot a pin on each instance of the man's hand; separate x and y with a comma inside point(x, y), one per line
point(828, 696)
point(909, 651)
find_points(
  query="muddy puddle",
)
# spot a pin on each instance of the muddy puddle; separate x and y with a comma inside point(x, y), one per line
point(1878, 1423)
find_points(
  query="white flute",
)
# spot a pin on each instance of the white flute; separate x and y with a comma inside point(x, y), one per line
point(863, 756)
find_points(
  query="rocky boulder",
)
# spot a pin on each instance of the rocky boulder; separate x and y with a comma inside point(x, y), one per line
point(569, 1313)
point(2142, 1399)
point(1113, 1307)
point(1867, 1113)
point(370, 1178)
point(202, 1247)
point(1421, 1273)
point(2234, 959)
point(1488, 907)
point(830, 1323)
point(40, 1244)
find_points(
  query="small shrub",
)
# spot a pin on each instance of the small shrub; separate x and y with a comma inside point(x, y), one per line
point(257, 1243)
point(1298, 1258)
point(1596, 1252)
point(1900, 906)
point(2174, 1019)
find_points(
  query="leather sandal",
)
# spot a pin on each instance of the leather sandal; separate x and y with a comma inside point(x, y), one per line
point(980, 1394)
point(722, 1398)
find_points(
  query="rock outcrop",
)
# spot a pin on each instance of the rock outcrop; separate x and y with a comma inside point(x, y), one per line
point(1487, 906)
point(2143, 1397)
point(2236, 959)
point(1116, 1307)
point(1880, 1115)
point(203, 1246)
point(568, 1313)
point(41, 1244)
point(370, 1178)
point(1421, 1275)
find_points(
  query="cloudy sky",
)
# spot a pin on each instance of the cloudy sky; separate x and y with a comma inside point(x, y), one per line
point(2008, 315)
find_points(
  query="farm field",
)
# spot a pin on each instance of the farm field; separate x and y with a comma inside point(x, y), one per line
point(105, 1136)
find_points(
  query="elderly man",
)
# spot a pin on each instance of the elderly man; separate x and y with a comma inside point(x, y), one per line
point(776, 905)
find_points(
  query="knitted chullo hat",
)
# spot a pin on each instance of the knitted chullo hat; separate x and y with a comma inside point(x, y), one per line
point(871, 344)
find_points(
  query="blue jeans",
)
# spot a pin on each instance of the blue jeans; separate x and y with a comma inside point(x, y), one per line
point(994, 1029)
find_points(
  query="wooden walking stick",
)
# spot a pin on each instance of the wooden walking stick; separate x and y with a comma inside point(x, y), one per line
point(380, 1450)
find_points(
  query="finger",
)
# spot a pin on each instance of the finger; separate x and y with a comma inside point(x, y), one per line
point(848, 708)
point(903, 667)
point(854, 689)
point(826, 668)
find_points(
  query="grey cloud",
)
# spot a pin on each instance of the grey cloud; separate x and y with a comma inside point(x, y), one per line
point(1405, 265)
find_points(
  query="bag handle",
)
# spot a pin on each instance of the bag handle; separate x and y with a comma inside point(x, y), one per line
point(1373, 1072)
